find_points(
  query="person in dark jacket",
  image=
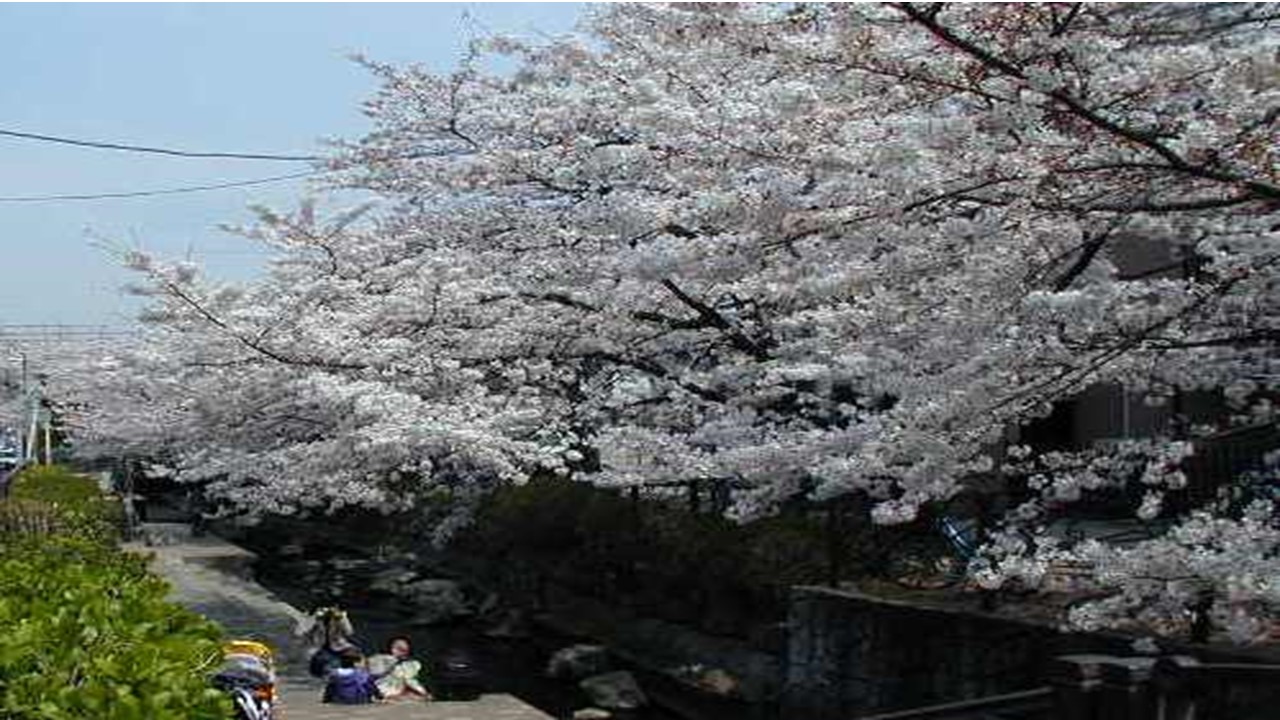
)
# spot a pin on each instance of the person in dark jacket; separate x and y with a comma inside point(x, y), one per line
point(329, 632)
point(350, 683)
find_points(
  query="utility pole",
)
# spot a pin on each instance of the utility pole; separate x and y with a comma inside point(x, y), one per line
point(48, 441)
point(23, 437)
point(33, 400)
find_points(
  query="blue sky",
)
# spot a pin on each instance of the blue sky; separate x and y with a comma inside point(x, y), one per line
point(268, 78)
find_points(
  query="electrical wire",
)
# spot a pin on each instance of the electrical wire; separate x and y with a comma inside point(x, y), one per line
point(156, 150)
point(150, 193)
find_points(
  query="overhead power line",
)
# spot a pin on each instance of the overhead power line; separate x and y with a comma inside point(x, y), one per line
point(156, 150)
point(163, 191)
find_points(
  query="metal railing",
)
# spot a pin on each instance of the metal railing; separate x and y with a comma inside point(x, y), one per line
point(1100, 687)
point(1035, 702)
point(1104, 687)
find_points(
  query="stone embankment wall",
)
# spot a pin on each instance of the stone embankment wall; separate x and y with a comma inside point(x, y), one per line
point(850, 654)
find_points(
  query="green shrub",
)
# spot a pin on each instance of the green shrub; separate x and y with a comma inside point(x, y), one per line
point(85, 629)
point(81, 506)
point(656, 556)
point(30, 517)
point(540, 517)
point(55, 484)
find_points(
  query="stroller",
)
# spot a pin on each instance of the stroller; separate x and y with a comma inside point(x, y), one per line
point(248, 676)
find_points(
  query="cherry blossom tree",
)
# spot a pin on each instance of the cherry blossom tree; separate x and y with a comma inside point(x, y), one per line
point(813, 250)
point(295, 394)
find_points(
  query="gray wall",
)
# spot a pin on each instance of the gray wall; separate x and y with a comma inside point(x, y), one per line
point(849, 654)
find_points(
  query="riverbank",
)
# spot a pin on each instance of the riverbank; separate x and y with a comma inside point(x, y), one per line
point(688, 669)
point(203, 575)
point(508, 665)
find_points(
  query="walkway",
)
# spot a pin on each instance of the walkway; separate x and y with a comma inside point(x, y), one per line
point(209, 576)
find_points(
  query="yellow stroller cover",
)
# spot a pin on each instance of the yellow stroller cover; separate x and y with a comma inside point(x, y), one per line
point(256, 658)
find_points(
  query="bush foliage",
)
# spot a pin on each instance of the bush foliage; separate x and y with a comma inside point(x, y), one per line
point(87, 630)
point(60, 501)
point(654, 555)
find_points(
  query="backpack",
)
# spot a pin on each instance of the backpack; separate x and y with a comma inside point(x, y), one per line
point(350, 686)
point(323, 661)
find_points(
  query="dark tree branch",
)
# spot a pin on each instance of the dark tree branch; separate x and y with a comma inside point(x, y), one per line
point(1145, 139)
point(257, 347)
point(958, 193)
point(671, 322)
point(713, 318)
point(1258, 337)
point(656, 370)
point(1060, 24)
point(1091, 248)
point(1174, 207)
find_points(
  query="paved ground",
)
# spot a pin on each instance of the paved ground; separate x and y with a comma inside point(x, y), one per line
point(203, 573)
point(302, 703)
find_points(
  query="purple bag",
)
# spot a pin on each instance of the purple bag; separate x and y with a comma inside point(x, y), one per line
point(350, 686)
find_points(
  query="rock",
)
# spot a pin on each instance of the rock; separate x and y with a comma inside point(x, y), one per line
point(717, 682)
point(395, 558)
point(664, 642)
point(291, 550)
point(615, 691)
point(490, 605)
point(592, 713)
point(578, 661)
point(392, 580)
point(348, 564)
point(512, 624)
point(435, 600)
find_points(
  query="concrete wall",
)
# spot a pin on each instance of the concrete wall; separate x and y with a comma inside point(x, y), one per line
point(849, 654)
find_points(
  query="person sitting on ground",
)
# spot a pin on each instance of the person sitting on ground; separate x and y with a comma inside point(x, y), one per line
point(396, 672)
point(350, 683)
